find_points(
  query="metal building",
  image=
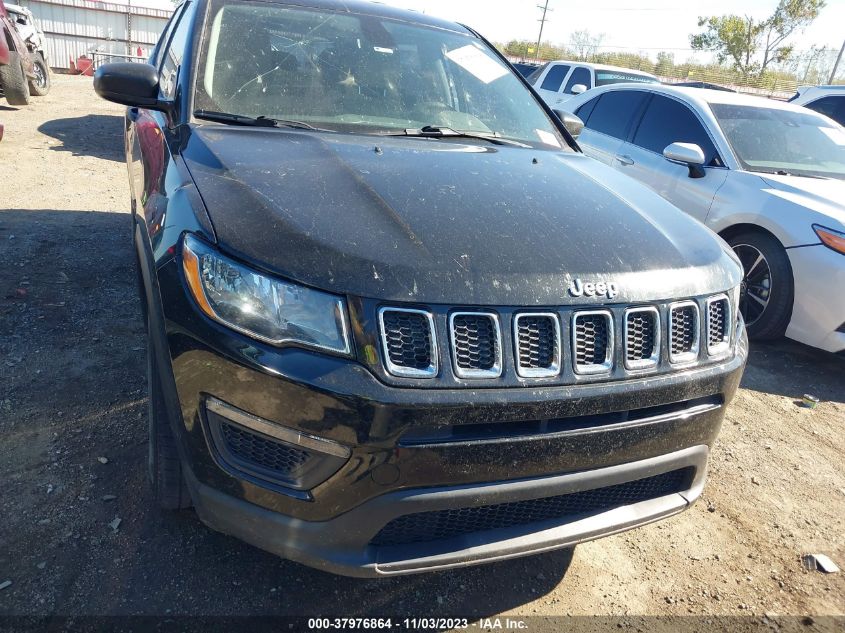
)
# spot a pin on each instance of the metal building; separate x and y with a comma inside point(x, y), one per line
point(76, 28)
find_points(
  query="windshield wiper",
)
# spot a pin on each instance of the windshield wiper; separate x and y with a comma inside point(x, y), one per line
point(436, 131)
point(259, 121)
point(783, 172)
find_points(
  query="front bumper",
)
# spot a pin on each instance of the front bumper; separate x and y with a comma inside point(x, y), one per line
point(606, 434)
point(342, 545)
point(818, 313)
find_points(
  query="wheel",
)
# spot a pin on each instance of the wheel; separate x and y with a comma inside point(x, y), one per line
point(165, 467)
point(40, 86)
point(13, 80)
point(767, 290)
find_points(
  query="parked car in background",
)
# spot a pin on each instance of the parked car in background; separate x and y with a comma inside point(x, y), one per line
point(701, 84)
point(369, 349)
point(769, 177)
point(826, 100)
point(16, 67)
point(525, 68)
point(35, 41)
point(556, 82)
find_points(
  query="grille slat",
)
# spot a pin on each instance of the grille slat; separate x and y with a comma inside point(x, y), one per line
point(592, 342)
point(537, 344)
point(443, 524)
point(476, 344)
point(683, 332)
point(642, 338)
point(718, 324)
point(408, 342)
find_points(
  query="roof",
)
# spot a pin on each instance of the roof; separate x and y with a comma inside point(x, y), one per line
point(617, 69)
point(701, 97)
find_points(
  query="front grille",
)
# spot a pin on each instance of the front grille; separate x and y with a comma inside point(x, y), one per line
point(408, 342)
point(718, 324)
point(261, 451)
point(592, 342)
point(443, 524)
point(537, 345)
point(516, 345)
point(683, 332)
point(642, 338)
point(476, 344)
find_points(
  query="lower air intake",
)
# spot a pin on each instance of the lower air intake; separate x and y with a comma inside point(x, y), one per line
point(444, 524)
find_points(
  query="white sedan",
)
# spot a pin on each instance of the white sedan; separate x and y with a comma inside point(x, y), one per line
point(769, 177)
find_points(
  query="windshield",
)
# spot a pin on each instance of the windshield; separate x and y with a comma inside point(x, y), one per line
point(779, 141)
point(360, 73)
point(607, 77)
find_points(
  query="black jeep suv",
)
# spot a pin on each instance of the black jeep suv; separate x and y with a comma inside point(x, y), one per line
point(397, 321)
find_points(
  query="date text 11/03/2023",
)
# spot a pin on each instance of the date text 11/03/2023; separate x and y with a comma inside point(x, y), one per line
point(418, 624)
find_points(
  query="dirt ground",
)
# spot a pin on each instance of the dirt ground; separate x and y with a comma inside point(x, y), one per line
point(73, 449)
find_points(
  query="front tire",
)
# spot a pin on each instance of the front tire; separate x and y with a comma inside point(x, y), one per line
point(13, 80)
point(40, 86)
point(165, 466)
point(768, 287)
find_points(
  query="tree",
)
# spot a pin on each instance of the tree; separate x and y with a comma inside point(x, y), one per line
point(525, 49)
point(585, 44)
point(753, 45)
point(665, 64)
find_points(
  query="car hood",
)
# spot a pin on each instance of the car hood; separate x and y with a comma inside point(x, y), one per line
point(822, 195)
point(445, 221)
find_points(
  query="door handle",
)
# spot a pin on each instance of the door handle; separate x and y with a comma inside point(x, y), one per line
point(625, 159)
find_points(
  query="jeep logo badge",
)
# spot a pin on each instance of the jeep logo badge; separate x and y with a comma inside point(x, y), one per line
point(580, 288)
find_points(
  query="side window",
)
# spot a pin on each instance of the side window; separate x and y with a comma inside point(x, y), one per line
point(586, 110)
point(555, 77)
point(171, 59)
point(667, 121)
point(833, 107)
point(165, 35)
point(581, 76)
point(614, 111)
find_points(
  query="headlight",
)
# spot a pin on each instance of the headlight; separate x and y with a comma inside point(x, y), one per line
point(268, 309)
point(831, 238)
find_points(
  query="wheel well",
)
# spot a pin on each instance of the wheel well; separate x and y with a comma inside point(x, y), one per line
point(736, 229)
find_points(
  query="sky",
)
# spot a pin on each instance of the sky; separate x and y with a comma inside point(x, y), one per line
point(640, 25)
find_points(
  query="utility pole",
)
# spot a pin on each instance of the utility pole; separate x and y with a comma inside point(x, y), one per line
point(836, 65)
point(542, 21)
point(129, 27)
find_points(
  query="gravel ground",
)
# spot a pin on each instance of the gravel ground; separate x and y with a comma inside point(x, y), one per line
point(78, 534)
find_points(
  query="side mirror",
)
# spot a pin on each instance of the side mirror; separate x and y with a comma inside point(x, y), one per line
point(572, 123)
point(130, 84)
point(688, 154)
point(578, 89)
point(21, 20)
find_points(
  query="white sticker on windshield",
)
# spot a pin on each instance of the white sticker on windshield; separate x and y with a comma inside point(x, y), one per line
point(548, 138)
point(476, 62)
point(834, 134)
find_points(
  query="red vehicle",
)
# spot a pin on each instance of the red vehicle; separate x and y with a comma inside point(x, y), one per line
point(16, 65)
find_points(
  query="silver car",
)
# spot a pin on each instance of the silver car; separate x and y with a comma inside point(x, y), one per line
point(769, 177)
